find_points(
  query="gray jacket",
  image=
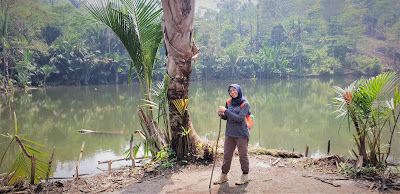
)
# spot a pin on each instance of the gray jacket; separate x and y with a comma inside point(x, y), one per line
point(236, 125)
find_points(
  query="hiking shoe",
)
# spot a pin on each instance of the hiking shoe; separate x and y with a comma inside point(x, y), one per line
point(243, 179)
point(223, 178)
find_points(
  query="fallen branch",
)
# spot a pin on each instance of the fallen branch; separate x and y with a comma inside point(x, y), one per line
point(106, 161)
point(372, 186)
point(324, 180)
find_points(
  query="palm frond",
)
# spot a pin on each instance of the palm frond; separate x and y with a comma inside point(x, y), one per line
point(20, 169)
point(396, 97)
point(135, 150)
point(138, 26)
point(181, 105)
point(16, 125)
point(5, 152)
point(150, 104)
point(32, 142)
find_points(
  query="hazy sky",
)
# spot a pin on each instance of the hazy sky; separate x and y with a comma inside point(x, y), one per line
point(206, 3)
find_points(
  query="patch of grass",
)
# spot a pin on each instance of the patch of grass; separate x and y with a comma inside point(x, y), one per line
point(262, 151)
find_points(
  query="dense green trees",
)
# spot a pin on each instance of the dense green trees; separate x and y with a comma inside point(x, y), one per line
point(299, 38)
point(269, 38)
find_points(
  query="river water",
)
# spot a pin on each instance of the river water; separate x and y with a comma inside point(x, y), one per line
point(289, 114)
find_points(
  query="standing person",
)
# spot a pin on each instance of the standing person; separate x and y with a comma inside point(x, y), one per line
point(236, 133)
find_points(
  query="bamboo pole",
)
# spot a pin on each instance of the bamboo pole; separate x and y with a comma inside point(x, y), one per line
point(307, 151)
point(79, 161)
point(115, 160)
point(109, 166)
point(131, 152)
point(86, 131)
point(33, 169)
point(216, 152)
point(329, 147)
point(51, 161)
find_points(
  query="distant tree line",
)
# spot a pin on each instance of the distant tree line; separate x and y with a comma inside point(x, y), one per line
point(49, 42)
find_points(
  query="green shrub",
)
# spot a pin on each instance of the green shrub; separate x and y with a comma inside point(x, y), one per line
point(363, 65)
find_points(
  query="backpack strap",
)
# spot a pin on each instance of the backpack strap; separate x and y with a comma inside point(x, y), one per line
point(229, 101)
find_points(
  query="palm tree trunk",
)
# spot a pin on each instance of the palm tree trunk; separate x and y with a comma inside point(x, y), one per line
point(178, 31)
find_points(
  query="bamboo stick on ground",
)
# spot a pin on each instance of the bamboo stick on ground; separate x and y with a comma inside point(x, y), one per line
point(276, 161)
point(79, 161)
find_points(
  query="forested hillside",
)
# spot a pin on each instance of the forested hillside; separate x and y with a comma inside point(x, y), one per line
point(49, 42)
point(288, 38)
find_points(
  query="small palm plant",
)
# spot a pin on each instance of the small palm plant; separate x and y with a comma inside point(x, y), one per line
point(137, 24)
point(364, 103)
point(30, 163)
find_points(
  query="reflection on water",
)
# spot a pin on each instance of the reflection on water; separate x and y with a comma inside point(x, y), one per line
point(289, 114)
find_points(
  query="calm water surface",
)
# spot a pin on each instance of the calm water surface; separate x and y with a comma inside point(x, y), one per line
point(289, 114)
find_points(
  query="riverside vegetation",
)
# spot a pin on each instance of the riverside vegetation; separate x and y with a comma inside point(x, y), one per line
point(53, 45)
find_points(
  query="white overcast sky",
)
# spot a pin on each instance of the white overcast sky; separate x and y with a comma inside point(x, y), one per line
point(212, 4)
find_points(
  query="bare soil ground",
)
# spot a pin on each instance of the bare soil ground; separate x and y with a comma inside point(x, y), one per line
point(286, 176)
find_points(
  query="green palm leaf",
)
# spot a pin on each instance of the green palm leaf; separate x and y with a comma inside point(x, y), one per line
point(181, 105)
point(138, 26)
point(20, 169)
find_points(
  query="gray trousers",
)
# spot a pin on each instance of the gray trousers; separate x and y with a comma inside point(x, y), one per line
point(229, 146)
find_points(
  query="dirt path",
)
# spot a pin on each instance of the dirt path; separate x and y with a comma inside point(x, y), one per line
point(281, 178)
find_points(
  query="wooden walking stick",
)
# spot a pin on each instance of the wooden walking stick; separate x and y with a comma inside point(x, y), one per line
point(216, 151)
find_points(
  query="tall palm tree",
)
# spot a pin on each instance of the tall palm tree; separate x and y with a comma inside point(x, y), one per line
point(178, 33)
point(138, 26)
